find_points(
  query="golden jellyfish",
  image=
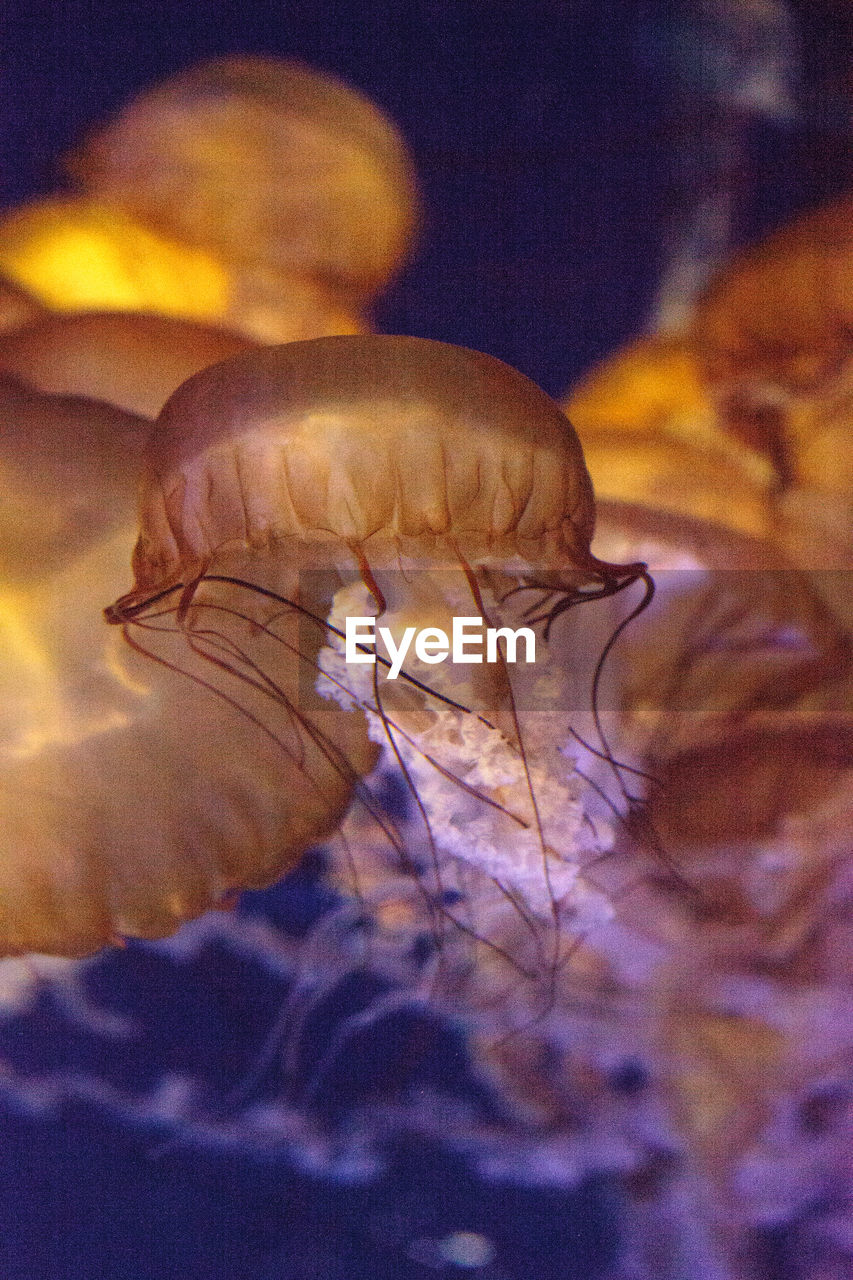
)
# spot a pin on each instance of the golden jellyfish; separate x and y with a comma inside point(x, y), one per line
point(399, 485)
point(779, 315)
point(250, 191)
point(773, 330)
point(132, 797)
point(131, 360)
point(736, 636)
point(651, 435)
point(773, 338)
point(73, 254)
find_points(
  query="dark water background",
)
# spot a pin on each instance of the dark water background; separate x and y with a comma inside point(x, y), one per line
point(553, 141)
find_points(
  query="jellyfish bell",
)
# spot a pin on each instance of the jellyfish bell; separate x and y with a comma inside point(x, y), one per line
point(331, 192)
point(410, 447)
point(737, 633)
point(132, 797)
point(130, 360)
point(281, 173)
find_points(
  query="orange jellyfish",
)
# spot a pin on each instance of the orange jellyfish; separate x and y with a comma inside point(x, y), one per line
point(778, 317)
point(773, 338)
point(407, 484)
point(741, 631)
point(773, 332)
point(247, 190)
point(131, 797)
point(131, 360)
point(651, 435)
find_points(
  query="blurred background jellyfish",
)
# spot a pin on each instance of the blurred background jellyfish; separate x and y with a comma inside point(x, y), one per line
point(772, 338)
point(250, 191)
point(128, 359)
point(131, 799)
point(650, 435)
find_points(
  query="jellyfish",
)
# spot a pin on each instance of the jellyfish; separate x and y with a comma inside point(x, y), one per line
point(131, 796)
point(407, 484)
point(772, 335)
point(779, 315)
point(131, 360)
point(73, 254)
point(650, 435)
point(737, 636)
point(248, 190)
point(773, 330)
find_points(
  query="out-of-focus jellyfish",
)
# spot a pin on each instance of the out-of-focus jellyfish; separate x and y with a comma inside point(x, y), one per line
point(650, 435)
point(74, 254)
point(773, 335)
point(284, 194)
point(735, 636)
point(406, 483)
point(17, 306)
point(773, 332)
point(131, 796)
point(131, 360)
point(752, 1008)
point(778, 318)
